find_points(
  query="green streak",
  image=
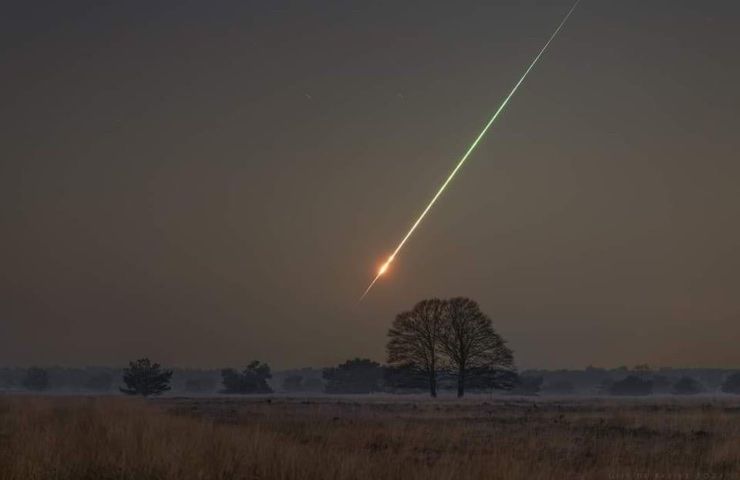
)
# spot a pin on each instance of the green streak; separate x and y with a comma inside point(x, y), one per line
point(471, 148)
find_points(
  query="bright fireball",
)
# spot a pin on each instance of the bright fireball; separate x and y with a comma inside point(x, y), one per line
point(383, 268)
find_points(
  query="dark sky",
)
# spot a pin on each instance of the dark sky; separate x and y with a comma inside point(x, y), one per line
point(211, 182)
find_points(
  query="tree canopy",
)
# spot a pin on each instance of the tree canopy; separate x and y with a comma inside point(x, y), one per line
point(732, 384)
point(414, 341)
point(360, 375)
point(451, 336)
point(145, 378)
point(251, 380)
point(470, 341)
point(36, 379)
point(632, 385)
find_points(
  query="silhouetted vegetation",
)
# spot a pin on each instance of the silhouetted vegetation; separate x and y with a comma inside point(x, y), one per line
point(414, 344)
point(732, 384)
point(251, 380)
point(36, 379)
point(99, 382)
point(406, 378)
point(561, 387)
point(293, 383)
point(528, 385)
point(487, 379)
point(470, 343)
point(642, 370)
point(303, 380)
point(201, 384)
point(687, 386)
point(632, 385)
point(663, 384)
point(360, 375)
point(145, 378)
point(453, 333)
point(395, 379)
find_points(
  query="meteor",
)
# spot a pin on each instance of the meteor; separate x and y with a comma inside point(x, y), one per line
point(384, 267)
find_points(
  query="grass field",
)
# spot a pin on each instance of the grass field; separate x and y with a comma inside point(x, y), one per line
point(368, 438)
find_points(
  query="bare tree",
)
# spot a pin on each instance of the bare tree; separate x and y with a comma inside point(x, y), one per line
point(414, 340)
point(469, 341)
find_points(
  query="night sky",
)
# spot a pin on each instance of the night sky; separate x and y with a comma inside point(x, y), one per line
point(208, 183)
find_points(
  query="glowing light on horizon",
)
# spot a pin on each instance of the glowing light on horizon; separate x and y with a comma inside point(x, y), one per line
point(460, 163)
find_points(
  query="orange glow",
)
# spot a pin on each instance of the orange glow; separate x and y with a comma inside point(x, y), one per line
point(381, 271)
point(468, 152)
point(383, 268)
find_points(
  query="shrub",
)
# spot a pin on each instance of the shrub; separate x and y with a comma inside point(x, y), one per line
point(632, 385)
point(354, 376)
point(732, 384)
point(687, 386)
point(145, 378)
point(36, 379)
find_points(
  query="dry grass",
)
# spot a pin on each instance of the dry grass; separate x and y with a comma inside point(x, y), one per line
point(224, 438)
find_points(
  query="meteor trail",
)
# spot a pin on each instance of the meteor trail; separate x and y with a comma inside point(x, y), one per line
point(392, 257)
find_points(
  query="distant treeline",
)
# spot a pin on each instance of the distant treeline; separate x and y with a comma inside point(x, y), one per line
point(365, 376)
point(638, 380)
point(438, 345)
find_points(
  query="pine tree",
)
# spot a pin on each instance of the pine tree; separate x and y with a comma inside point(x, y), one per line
point(143, 377)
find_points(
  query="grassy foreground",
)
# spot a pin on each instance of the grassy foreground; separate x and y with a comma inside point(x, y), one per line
point(376, 438)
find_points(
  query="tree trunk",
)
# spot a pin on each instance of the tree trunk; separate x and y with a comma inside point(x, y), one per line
point(461, 383)
point(433, 380)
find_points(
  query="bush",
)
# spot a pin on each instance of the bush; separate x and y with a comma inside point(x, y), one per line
point(732, 384)
point(312, 384)
point(632, 385)
point(662, 384)
point(527, 385)
point(405, 378)
point(560, 387)
point(354, 376)
point(687, 386)
point(252, 380)
point(145, 378)
point(293, 383)
point(36, 379)
point(487, 379)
